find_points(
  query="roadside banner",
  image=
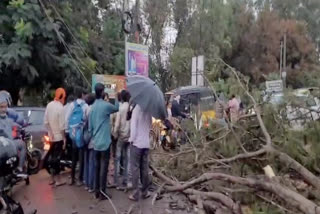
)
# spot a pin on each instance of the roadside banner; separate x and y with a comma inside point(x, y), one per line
point(274, 86)
point(113, 83)
point(137, 59)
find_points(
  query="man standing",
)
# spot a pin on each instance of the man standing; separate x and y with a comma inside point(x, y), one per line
point(140, 127)
point(221, 107)
point(99, 127)
point(234, 106)
point(68, 152)
point(122, 133)
point(176, 108)
point(111, 170)
point(77, 145)
point(54, 120)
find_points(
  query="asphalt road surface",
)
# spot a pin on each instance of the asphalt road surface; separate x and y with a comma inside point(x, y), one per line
point(75, 200)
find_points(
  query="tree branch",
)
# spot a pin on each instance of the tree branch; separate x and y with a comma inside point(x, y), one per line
point(237, 157)
point(289, 196)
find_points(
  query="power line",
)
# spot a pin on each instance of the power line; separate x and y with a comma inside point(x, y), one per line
point(63, 42)
point(78, 58)
point(73, 36)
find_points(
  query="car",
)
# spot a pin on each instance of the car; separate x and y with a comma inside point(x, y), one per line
point(35, 117)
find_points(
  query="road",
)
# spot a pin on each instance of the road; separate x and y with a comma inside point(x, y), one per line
point(75, 200)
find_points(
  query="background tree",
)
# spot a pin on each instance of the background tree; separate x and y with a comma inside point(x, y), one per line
point(31, 53)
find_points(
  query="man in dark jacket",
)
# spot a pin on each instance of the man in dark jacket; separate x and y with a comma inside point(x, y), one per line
point(176, 108)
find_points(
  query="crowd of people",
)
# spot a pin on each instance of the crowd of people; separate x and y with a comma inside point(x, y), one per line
point(104, 134)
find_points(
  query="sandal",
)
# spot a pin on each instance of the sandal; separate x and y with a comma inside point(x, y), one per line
point(132, 198)
point(59, 184)
point(147, 195)
point(121, 188)
point(111, 186)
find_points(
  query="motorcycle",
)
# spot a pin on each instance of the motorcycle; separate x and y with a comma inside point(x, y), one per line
point(65, 161)
point(7, 204)
point(173, 134)
point(8, 178)
point(167, 135)
point(166, 139)
point(33, 155)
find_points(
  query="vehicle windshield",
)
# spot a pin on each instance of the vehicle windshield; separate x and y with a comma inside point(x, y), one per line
point(34, 117)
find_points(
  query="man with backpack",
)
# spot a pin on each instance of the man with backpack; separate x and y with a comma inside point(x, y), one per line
point(99, 127)
point(77, 117)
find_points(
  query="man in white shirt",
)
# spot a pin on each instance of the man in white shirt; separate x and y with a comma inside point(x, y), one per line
point(68, 152)
point(140, 127)
point(54, 120)
point(78, 150)
point(122, 133)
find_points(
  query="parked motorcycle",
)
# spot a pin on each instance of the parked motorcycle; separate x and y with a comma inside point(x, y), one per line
point(163, 134)
point(33, 156)
point(8, 178)
point(166, 139)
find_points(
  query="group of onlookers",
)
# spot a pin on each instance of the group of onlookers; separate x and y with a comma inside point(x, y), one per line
point(99, 131)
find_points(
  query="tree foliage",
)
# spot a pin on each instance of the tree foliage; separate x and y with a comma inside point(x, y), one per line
point(259, 49)
point(247, 35)
point(244, 33)
point(30, 53)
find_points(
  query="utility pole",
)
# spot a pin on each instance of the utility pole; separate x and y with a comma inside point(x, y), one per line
point(285, 60)
point(136, 22)
point(281, 57)
point(125, 9)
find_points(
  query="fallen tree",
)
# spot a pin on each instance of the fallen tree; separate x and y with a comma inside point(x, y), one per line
point(233, 158)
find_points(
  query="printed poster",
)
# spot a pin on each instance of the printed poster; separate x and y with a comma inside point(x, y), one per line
point(113, 83)
point(137, 59)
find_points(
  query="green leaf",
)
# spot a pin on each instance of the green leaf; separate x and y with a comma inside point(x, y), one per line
point(33, 72)
point(16, 3)
point(4, 18)
point(14, 53)
point(84, 34)
point(23, 30)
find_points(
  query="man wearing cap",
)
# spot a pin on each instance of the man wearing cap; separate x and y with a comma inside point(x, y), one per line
point(11, 113)
point(54, 120)
point(6, 126)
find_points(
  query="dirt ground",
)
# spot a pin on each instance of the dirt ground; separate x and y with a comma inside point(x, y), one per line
point(75, 200)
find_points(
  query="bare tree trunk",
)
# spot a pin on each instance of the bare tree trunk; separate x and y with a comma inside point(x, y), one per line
point(292, 198)
point(308, 176)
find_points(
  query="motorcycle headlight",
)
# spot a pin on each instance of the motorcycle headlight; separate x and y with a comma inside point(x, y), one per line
point(46, 142)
